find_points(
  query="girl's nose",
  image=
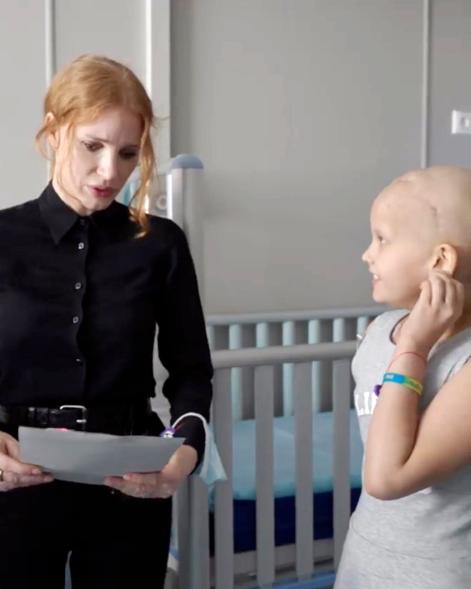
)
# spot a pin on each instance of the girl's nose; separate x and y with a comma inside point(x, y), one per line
point(366, 255)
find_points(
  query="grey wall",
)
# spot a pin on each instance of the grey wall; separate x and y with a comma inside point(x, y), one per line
point(21, 90)
point(137, 33)
point(301, 111)
point(450, 86)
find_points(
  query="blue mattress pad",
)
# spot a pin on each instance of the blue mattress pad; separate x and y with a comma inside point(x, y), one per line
point(284, 479)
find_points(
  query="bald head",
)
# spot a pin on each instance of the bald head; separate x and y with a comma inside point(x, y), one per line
point(441, 195)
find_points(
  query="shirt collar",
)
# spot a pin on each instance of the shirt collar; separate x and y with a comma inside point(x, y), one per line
point(60, 218)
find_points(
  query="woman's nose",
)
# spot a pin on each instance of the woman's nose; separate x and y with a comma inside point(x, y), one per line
point(108, 168)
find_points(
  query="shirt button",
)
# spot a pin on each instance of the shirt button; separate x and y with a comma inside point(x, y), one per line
point(79, 360)
point(81, 245)
point(75, 319)
point(78, 285)
point(83, 222)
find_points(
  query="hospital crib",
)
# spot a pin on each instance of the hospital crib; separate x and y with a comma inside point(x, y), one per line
point(285, 428)
point(288, 437)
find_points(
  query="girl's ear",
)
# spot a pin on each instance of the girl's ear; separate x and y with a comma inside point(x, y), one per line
point(53, 134)
point(445, 258)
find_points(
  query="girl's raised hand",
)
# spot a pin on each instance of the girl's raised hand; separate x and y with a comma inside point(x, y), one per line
point(437, 309)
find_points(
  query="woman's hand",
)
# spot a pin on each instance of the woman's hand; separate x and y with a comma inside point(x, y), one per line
point(161, 484)
point(14, 473)
point(437, 309)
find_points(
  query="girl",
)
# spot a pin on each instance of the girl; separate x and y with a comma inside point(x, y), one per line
point(412, 526)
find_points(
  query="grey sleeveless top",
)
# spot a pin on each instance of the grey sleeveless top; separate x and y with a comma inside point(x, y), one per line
point(435, 521)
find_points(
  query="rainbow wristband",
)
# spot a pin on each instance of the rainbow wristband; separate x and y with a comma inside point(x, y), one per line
point(404, 380)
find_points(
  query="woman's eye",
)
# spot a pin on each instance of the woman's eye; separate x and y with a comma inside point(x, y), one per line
point(91, 146)
point(128, 155)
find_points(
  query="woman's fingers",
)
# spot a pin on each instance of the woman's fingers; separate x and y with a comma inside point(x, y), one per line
point(8, 464)
point(11, 446)
point(15, 473)
point(144, 485)
point(12, 480)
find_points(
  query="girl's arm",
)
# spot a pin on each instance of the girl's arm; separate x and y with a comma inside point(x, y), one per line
point(404, 453)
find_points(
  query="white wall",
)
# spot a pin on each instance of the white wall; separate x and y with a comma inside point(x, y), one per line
point(36, 36)
point(302, 110)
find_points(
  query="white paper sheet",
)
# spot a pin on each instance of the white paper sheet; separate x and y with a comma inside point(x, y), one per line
point(84, 457)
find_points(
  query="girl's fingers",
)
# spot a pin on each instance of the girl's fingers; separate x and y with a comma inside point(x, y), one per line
point(455, 298)
point(447, 295)
point(426, 293)
point(438, 290)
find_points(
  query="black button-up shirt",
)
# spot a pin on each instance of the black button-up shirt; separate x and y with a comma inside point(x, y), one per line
point(80, 299)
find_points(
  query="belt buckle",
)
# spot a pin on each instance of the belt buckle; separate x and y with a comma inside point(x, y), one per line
point(80, 421)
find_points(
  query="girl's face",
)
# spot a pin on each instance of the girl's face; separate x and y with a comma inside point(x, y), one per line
point(93, 162)
point(400, 254)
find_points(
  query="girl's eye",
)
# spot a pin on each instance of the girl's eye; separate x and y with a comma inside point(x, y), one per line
point(380, 239)
point(91, 146)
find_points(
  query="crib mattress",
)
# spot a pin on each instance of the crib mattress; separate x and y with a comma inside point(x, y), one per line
point(285, 530)
point(284, 486)
point(284, 455)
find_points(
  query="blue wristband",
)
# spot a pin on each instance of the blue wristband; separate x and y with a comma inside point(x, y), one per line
point(404, 380)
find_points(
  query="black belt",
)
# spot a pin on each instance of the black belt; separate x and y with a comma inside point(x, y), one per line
point(119, 419)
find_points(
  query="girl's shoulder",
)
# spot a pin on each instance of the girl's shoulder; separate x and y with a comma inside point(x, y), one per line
point(384, 325)
point(376, 344)
point(453, 353)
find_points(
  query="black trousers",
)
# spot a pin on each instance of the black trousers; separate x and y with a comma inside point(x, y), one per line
point(115, 541)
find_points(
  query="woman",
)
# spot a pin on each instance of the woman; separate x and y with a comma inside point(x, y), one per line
point(84, 282)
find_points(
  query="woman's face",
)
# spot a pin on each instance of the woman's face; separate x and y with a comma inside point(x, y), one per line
point(93, 162)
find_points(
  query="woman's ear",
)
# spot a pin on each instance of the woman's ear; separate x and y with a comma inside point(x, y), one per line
point(445, 258)
point(53, 133)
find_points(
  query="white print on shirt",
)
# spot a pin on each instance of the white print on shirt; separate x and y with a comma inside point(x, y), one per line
point(365, 403)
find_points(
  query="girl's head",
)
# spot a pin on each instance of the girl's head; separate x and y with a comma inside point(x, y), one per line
point(419, 222)
point(97, 126)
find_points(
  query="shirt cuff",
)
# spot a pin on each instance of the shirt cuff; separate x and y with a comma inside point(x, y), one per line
point(192, 429)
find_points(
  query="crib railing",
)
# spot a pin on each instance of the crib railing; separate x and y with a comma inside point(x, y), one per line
point(260, 330)
point(196, 569)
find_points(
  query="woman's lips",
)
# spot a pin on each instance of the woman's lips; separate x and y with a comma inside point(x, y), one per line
point(102, 192)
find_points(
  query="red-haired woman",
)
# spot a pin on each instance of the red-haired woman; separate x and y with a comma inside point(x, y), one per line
point(84, 281)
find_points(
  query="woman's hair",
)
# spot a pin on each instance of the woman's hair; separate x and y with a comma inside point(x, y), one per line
point(82, 91)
